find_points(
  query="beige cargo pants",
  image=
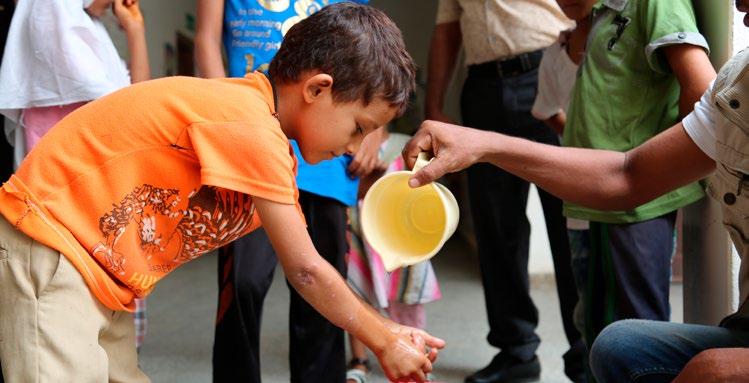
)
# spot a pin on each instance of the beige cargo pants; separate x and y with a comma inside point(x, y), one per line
point(52, 329)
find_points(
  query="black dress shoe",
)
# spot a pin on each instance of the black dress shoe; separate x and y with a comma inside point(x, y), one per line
point(507, 369)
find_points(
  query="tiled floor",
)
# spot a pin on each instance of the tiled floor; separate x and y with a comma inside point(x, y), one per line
point(181, 312)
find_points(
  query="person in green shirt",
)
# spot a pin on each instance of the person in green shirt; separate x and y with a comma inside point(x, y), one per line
point(645, 66)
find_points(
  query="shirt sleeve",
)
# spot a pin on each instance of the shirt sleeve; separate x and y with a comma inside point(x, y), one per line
point(668, 22)
point(448, 11)
point(701, 123)
point(546, 103)
point(251, 159)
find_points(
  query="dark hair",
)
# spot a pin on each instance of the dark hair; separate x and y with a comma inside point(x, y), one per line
point(358, 45)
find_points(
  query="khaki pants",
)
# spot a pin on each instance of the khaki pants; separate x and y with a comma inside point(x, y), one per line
point(52, 329)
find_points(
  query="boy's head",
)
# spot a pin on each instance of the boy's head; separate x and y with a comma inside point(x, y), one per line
point(576, 9)
point(350, 73)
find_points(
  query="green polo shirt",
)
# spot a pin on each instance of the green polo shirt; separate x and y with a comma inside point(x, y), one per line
point(626, 92)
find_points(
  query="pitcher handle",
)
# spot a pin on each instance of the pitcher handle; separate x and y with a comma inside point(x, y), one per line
point(422, 160)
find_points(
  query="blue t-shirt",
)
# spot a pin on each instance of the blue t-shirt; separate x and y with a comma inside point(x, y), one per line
point(253, 30)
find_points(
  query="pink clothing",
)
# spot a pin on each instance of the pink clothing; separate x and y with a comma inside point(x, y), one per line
point(407, 315)
point(38, 121)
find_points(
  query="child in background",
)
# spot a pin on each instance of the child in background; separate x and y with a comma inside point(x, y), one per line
point(129, 187)
point(62, 57)
point(402, 293)
point(558, 69)
point(557, 73)
point(645, 66)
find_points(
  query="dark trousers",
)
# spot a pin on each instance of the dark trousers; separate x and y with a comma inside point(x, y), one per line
point(628, 272)
point(498, 203)
point(317, 350)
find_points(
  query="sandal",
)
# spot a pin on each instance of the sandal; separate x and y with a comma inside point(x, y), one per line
point(355, 374)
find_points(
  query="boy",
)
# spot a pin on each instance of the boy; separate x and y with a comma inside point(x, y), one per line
point(645, 66)
point(130, 186)
point(247, 265)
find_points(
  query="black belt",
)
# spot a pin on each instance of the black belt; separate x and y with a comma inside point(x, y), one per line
point(510, 67)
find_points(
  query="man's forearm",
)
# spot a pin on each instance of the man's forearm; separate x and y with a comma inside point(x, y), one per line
point(561, 171)
point(600, 179)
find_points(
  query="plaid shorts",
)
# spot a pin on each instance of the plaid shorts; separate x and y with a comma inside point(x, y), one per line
point(141, 323)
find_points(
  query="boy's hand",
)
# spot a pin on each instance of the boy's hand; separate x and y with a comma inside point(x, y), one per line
point(409, 354)
point(128, 14)
point(366, 159)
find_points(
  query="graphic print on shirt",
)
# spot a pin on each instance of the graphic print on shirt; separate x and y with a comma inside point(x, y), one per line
point(168, 230)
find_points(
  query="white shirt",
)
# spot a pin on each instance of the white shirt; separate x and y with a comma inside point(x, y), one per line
point(56, 54)
point(499, 29)
point(556, 78)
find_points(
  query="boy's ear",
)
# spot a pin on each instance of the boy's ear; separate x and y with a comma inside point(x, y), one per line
point(316, 86)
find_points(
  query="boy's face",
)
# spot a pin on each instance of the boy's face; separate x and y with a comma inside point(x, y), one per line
point(325, 129)
point(743, 6)
point(576, 9)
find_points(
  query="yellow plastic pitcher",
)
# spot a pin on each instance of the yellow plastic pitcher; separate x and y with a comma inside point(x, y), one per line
point(405, 225)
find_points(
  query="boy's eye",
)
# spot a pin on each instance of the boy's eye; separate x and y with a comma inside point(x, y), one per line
point(359, 129)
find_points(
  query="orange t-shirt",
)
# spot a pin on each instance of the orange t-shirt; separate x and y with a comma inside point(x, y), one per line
point(134, 184)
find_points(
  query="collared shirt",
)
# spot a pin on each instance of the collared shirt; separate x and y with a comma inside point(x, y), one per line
point(719, 126)
point(626, 92)
point(494, 29)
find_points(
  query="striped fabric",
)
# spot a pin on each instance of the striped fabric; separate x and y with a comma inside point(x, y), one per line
point(141, 323)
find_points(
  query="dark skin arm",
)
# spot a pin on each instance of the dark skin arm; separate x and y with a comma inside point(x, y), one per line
point(716, 365)
point(614, 180)
point(443, 52)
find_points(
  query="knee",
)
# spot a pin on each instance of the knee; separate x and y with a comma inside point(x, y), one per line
point(613, 351)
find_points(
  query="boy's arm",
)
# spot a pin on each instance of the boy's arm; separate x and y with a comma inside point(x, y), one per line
point(443, 52)
point(613, 180)
point(131, 20)
point(693, 70)
point(208, 38)
point(325, 290)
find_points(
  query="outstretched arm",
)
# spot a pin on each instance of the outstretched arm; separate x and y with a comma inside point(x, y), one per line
point(600, 179)
point(399, 349)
